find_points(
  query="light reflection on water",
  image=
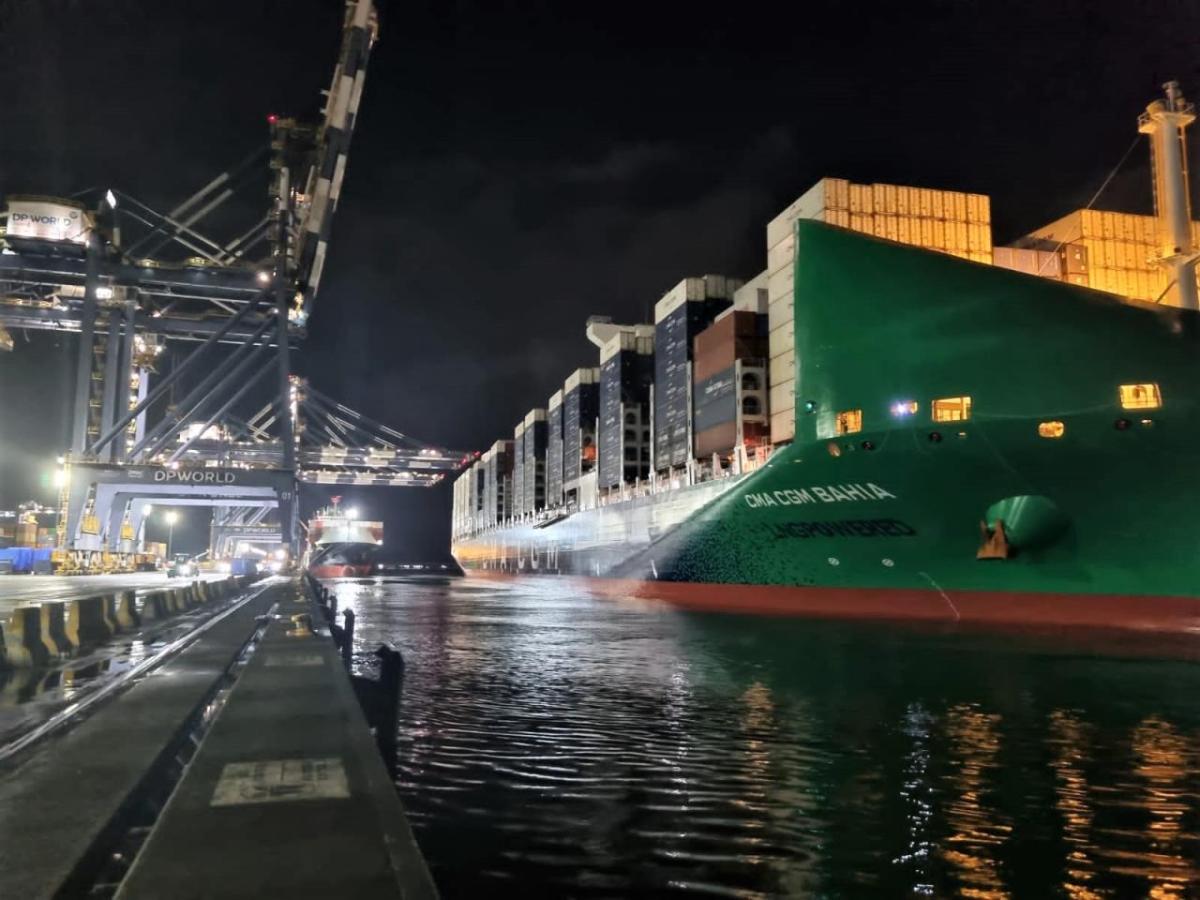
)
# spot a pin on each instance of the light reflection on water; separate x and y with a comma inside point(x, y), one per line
point(581, 746)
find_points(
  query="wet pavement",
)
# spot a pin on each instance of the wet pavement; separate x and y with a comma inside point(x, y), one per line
point(16, 590)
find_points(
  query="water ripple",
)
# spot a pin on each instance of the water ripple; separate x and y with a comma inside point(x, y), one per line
point(561, 745)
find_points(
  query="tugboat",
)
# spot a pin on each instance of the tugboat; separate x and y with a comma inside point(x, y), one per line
point(340, 545)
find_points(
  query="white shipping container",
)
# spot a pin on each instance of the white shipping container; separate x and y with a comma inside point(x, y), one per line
point(781, 338)
point(780, 284)
point(828, 193)
point(783, 427)
point(782, 368)
point(782, 397)
point(782, 255)
point(555, 401)
point(708, 287)
point(752, 296)
point(589, 375)
point(628, 340)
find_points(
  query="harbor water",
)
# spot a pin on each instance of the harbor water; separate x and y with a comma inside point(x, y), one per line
point(557, 744)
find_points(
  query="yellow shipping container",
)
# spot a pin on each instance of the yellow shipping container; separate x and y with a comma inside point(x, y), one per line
point(939, 235)
point(937, 205)
point(891, 228)
point(1144, 288)
point(904, 229)
point(1089, 225)
point(960, 207)
point(837, 193)
point(879, 225)
point(838, 217)
point(976, 238)
point(890, 199)
point(860, 199)
point(905, 202)
point(924, 202)
point(926, 233)
point(859, 222)
point(982, 204)
point(1108, 226)
point(960, 241)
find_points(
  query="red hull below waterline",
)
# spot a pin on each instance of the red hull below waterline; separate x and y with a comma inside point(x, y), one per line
point(340, 570)
point(1174, 615)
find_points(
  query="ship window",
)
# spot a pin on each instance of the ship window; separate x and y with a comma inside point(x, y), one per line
point(630, 419)
point(952, 409)
point(1140, 396)
point(849, 421)
point(631, 454)
point(1053, 429)
point(749, 381)
point(751, 406)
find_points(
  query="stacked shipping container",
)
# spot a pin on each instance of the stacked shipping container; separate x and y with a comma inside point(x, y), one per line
point(535, 461)
point(947, 221)
point(518, 485)
point(730, 383)
point(1108, 251)
point(626, 374)
point(554, 450)
point(581, 412)
point(682, 313)
point(497, 483)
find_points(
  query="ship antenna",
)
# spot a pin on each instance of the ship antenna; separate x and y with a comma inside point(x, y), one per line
point(1165, 122)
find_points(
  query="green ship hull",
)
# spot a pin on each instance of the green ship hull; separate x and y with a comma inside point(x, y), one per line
point(1052, 501)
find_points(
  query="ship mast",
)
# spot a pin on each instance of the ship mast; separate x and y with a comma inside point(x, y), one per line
point(1164, 121)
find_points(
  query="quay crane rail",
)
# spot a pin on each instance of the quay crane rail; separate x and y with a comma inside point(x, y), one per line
point(127, 278)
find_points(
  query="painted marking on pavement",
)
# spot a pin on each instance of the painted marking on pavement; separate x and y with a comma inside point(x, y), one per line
point(280, 781)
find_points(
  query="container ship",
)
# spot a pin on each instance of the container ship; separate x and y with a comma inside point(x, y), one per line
point(341, 545)
point(894, 420)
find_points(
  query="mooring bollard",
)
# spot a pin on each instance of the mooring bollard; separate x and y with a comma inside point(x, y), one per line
point(348, 637)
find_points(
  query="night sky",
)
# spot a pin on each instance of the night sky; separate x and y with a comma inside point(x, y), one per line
point(519, 166)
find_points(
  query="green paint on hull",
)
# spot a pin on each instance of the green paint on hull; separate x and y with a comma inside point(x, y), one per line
point(898, 506)
point(879, 324)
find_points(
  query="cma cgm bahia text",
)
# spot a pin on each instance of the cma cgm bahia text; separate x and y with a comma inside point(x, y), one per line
point(1062, 489)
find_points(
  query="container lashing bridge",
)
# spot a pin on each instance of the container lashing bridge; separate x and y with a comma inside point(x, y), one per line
point(231, 295)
